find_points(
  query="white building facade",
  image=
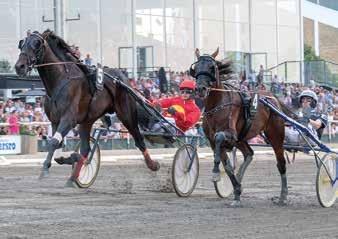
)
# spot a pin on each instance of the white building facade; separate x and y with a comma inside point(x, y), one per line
point(152, 33)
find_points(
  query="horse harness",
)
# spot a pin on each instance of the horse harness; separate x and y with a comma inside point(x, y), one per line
point(218, 108)
point(249, 112)
point(222, 106)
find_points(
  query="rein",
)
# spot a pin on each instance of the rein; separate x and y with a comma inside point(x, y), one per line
point(219, 108)
point(249, 91)
point(56, 63)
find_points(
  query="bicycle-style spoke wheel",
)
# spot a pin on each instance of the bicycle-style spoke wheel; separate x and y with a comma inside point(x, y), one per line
point(89, 170)
point(224, 187)
point(325, 188)
point(184, 180)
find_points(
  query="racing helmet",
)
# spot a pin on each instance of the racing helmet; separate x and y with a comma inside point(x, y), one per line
point(188, 84)
point(310, 94)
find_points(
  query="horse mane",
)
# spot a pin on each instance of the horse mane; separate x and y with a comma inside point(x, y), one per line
point(62, 50)
point(225, 68)
point(227, 75)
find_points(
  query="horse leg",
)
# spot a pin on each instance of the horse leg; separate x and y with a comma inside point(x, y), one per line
point(54, 143)
point(219, 139)
point(133, 129)
point(248, 156)
point(234, 181)
point(84, 131)
point(48, 161)
point(275, 134)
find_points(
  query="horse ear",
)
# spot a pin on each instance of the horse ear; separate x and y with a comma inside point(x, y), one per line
point(192, 72)
point(197, 53)
point(21, 42)
point(215, 53)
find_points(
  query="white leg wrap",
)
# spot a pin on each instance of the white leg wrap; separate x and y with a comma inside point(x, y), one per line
point(58, 137)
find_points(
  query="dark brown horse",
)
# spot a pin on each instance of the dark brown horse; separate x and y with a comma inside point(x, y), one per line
point(69, 101)
point(224, 120)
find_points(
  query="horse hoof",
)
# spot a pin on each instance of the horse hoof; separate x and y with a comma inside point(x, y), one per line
point(70, 184)
point(236, 203)
point(156, 166)
point(216, 177)
point(44, 174)
point(60, 160)
point(282, 203)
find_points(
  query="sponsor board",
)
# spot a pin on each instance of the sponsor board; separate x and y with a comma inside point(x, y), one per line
point(10, 144)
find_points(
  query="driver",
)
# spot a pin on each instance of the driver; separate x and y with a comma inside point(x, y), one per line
point(308, 116)
point(181, 110)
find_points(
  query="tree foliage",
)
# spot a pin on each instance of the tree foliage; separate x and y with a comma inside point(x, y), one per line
point(309, 54)
point(5, 66)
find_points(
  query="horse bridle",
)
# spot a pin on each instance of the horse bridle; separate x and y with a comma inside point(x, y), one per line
point(214, 78)
point(38, 53)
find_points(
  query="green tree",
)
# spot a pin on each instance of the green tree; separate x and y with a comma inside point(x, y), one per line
point(309, 54)
point(319, 69)
point(5, 66)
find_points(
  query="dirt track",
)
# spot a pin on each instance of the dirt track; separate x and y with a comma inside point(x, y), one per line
point(127, 201)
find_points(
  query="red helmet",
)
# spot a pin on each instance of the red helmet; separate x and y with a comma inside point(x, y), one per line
point(188, 84)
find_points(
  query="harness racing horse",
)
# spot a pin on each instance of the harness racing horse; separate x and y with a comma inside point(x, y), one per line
point(69, 101)
point(223, 122)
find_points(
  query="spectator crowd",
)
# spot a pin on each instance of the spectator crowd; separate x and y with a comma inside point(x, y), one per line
point(17, 116)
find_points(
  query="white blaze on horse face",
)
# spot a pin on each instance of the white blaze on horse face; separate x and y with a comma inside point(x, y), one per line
point(58, 137)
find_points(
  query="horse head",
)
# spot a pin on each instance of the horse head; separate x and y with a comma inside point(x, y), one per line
point(205, 71)
point(31, 53)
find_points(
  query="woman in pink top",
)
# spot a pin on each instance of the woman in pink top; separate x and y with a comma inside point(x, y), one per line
point(13, 123)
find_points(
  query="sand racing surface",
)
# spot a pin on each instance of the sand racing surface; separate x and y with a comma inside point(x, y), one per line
point(128, 201)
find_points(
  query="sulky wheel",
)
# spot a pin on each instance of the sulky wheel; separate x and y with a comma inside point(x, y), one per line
point(224, 187)
point(185, 179)
point(90, 169)
point(326, 190)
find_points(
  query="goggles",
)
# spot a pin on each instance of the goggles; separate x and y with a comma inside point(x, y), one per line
point(306, 99)
point(186, 91)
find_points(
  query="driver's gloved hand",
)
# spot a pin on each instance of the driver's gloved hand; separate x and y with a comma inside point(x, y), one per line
point(171, 110)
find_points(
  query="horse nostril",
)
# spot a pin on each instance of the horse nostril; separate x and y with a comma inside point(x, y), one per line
point(20, 68)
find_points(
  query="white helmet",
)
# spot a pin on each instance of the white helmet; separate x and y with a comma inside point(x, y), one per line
point(311, 94)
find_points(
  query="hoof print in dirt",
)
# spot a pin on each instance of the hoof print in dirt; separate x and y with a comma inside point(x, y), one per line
point(277, 201)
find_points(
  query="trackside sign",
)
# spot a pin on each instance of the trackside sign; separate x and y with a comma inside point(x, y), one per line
point(10, 144)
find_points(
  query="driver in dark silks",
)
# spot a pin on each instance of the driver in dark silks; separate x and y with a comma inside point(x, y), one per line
point(181, 111)
point(308, 116)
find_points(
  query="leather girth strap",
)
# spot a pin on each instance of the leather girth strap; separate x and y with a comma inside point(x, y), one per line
point(249, 114)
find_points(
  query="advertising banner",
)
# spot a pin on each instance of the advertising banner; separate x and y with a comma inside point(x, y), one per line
point(10, 144)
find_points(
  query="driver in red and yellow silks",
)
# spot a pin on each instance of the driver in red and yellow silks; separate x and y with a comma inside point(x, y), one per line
point(182, 108)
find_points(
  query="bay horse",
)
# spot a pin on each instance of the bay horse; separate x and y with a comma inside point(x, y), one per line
point(223, 122)
point(68, 100)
